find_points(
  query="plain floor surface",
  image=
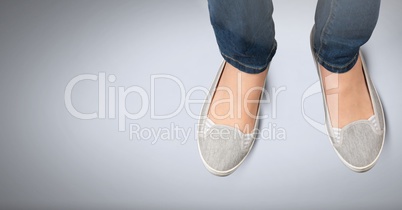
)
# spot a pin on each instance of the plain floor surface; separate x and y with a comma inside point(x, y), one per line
point(50, 159)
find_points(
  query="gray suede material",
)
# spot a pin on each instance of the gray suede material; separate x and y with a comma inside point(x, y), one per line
point(360, 145)
point(223, 148)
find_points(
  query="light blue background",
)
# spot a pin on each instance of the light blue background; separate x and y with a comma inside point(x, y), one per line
point(50, 159)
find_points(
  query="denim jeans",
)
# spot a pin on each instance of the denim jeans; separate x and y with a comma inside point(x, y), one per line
point(246, 35)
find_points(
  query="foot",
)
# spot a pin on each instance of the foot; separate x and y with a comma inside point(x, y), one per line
point(347, 95)
point(236, 98)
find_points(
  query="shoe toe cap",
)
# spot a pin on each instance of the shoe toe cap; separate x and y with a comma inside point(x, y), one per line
point(223, 148)
point(360, 145)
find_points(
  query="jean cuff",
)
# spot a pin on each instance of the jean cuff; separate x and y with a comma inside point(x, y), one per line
point(248, 68)
point(336, 68)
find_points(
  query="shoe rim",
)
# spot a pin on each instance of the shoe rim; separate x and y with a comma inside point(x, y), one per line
point(328, 125)
point(202, 123)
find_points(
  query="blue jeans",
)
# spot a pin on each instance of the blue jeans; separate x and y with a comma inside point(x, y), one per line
point(246, 35)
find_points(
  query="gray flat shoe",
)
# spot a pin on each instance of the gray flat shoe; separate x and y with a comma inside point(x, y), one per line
point(359, 143)
point(222, 148)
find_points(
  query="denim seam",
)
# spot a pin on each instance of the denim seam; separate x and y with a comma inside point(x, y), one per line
point(325, 28)
point(228, 57)
point(339, 67)
point(273, 49)
point(250, 67)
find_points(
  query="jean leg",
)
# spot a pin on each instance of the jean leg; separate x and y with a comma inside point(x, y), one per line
point(245, 32)
point(341, 28)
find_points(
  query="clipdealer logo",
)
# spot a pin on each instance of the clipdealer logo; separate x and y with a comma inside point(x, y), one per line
point(112, 104)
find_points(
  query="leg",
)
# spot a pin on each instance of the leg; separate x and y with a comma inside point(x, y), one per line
point(341, 28)
point(244, 31)
point(245, 34)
